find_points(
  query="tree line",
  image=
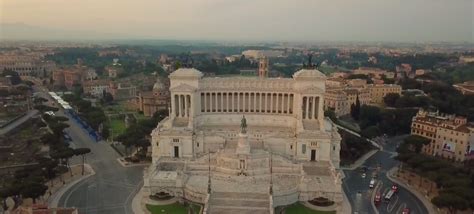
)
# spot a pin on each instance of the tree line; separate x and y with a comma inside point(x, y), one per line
point(455, 182)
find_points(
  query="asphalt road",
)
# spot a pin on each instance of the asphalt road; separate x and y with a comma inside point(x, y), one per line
point(360, 195)
point(112, 188)
point(18, 122)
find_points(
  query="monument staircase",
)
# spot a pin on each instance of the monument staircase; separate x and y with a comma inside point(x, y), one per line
point(239, 203)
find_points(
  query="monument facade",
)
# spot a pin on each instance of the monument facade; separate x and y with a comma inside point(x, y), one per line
point(245, 144)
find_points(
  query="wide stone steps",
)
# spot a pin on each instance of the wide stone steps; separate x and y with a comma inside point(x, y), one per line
point(239, 195)
point(237, 202)
point(238, 210)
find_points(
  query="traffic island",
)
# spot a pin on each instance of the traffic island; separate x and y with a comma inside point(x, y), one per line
point(124, 162)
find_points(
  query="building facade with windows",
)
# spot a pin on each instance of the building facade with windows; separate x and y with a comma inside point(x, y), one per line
point(379, 91)
point(246, 136)
point(451, 137)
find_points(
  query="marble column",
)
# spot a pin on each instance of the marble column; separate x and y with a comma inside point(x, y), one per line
point(307, 108)
point(179, 105)
point(244, 101)
point(271, 102)
point(277, 100)
point(222, 102)
point(288, 104)
point(191, 109)
point(216, 100)
point(185, 105)
point(173, 106)
point(238, 101)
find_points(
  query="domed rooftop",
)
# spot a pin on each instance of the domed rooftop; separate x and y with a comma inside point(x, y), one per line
point(186, 72)
point(159, 85)
point(308, 73)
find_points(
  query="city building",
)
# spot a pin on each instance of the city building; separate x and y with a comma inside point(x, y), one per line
point(337, 100)
point(96, 88)
point(26, 65)
point(228, 139)
point(451, 136)
point(150, 102)
point(114, 70)
point(257, 54)
point(465, 87)
point(263, 67)
point(342, 93)
point(379, 91)
point(67, 78)
point(371, 72)
point(5, 83)
point(122, 91)
point(466, 59)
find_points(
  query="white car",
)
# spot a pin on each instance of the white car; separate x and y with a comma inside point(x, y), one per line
point(364, 175)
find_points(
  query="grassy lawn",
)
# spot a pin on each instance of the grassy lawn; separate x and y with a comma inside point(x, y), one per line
point(298, 208)
point(140, 116)
point(117, 125)
point(175, 208)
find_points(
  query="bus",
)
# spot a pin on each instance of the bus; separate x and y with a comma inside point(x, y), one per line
point(389, 195)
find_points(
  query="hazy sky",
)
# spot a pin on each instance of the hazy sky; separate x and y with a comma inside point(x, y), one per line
point(292, 20)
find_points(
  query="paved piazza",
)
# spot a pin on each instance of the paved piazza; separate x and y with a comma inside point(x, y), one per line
point(245, 144)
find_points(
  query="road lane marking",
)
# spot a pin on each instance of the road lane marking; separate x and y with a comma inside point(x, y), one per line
point(394, 201)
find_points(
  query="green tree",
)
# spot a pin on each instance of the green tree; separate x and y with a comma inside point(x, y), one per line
point(450, 201)
point(44, 108)
point(39, 100)
point(416, 142)
point(64, 155)
point(390, 99)
point(33, 190)
point(371, 132)
point(355, 109)
point(82, 152)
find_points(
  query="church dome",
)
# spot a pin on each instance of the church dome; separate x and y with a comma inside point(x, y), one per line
point(159, 85)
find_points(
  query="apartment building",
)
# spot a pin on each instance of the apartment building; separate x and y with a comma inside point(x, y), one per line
point(451, 136)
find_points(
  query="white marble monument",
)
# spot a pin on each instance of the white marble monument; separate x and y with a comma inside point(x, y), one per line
point(245, 144)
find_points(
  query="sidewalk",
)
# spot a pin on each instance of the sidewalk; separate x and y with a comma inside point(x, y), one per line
point(360, 161)
point(57, 190)
point(346, 205)
point(426, 202)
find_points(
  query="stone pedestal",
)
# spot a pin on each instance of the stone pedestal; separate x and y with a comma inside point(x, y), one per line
point(243, 146)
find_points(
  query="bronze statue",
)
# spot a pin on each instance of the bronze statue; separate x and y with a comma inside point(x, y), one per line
point(243, 124)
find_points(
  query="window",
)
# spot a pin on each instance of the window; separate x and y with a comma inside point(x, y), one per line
point(334, 148)
point(198, 144)
point(291, 147)
point(175, 140)
point(303, 148)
